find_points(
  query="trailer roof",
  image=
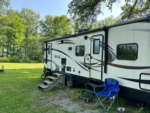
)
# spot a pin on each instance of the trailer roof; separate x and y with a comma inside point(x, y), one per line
point(102, 28)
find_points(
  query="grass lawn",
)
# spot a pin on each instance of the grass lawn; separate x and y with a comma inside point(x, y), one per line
point(18, 89)
point(19, 94)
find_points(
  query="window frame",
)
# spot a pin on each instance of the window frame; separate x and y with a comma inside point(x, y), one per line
point(84, 50)
point(126, 44)
point(94, 45)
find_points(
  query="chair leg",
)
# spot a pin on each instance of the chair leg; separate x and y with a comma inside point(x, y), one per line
point(99, 101)
point(117, 100)
point(111, 104)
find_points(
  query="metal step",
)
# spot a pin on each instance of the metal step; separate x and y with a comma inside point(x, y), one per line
point(47, 82)
point(86, 98)
point(91, 84)
point(58, 74)
point(88, 91)
point(42, 86)
point(53, 78)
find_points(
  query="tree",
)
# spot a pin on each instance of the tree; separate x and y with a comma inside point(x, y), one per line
point(31, 21)
point(137, 12)
point(11, 31)
point(61, 26)
point(36, 48)
point(4, 22)
point(47, 26)
point(87, 10)
point(4, 4)
point(76, 26)
point(106, 22)
point(15, 33)
point(55, 26)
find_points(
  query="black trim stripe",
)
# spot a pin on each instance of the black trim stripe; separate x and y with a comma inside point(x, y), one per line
point(137, 80)
point(129, 67)
point(95, 69)
point(81, 66)
point(89, 63)
point(92, 67)
point(126, 67)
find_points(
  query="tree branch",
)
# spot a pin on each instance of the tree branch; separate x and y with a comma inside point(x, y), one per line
point(132, 8)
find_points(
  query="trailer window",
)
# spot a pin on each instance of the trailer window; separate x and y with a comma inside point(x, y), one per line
point(49, 49)
point(80, 50)
point(96, 46)
point(127, 51)
point(63, 61)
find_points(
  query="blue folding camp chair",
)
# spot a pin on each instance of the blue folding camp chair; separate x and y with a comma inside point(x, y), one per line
point(111, 91)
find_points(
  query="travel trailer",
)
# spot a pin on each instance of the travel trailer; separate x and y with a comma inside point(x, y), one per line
point(119, 51)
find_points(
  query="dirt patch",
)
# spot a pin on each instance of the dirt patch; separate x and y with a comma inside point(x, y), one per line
point(65, 102)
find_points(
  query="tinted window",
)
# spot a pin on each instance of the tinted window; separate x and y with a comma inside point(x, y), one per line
point(132, 51)
point(80, 50)
point(63, 61)
point(121, 51)
point(96, 46)
point(49, 49)
point(127, 51)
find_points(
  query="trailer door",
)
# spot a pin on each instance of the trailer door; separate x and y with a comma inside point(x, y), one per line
point(49, 55)
point(96, 59)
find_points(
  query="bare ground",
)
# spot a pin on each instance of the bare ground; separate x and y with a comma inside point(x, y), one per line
point(65, 102)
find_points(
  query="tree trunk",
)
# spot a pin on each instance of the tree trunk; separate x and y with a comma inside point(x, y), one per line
point(3, 48)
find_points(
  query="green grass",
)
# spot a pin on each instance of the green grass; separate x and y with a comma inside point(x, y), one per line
point(19, 92)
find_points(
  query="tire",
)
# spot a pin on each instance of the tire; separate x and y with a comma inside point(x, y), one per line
point(69, 82)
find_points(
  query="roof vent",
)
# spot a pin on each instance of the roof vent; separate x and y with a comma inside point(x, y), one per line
point(82, 30)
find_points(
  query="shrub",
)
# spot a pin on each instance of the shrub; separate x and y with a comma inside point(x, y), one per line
point(26, 60)
point(14, 59)
point(4, 59)
point(17, 59)
point(41, 58)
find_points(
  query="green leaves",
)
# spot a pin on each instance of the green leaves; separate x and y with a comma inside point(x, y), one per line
point(86, 11)
point(138, 10)
point(106, 22)
point(30, 20)
point(55, 26)
point(3, 5)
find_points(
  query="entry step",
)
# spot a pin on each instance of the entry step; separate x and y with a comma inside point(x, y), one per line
point(53, 78)
point(88, 91)
point(47, 82)
point(42, 86)
point(85, 98)
point(59, 74)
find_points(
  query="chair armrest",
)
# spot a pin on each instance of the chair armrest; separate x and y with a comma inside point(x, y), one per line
point(114, 91)
point(98, 86)
point(95, 86)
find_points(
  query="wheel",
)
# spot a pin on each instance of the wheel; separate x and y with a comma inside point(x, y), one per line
point(69, 82)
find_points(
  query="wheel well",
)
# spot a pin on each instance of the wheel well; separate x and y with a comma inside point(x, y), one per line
point(68, 75)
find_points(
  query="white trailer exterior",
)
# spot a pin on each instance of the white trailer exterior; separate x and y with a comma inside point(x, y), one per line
point(119, 51)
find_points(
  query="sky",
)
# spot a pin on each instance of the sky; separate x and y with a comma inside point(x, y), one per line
point(57, 7)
